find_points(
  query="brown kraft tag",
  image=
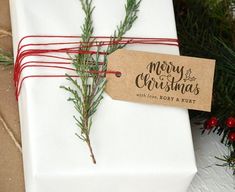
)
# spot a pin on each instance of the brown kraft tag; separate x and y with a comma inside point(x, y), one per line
point(154, 78)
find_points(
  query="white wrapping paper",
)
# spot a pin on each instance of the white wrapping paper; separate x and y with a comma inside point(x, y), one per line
point(138, 147)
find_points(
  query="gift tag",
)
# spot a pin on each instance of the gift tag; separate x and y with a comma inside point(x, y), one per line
point(154, 78)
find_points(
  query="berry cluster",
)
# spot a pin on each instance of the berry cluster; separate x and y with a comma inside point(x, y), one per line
point(227, 128)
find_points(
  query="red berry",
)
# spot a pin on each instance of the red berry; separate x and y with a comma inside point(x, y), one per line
point(212, 122)
point(230, 122)
point(231, 136)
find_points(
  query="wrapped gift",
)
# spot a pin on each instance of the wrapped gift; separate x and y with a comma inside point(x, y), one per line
point(138, 147)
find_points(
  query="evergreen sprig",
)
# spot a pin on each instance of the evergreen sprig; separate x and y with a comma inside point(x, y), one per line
point(206, 28)
point(6, 58)
point(131, 8)
point(228, 161)
point(87, 91)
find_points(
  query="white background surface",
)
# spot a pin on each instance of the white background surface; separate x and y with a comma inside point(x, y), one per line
point(210, 178)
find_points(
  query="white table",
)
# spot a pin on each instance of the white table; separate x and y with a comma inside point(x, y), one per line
point(210, 178)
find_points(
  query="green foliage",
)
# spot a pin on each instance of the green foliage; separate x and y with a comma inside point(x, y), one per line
point(89, 88)
point(206, 28)
point(6, 58)
point(131, 8)
point(228, 161)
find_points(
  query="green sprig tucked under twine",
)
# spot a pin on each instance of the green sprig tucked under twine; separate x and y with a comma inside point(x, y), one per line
point(87, 91)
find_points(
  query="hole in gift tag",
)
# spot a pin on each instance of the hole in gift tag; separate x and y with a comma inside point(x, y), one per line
point(118, 74)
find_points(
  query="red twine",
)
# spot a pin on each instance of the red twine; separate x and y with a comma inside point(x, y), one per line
point(58, 48)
